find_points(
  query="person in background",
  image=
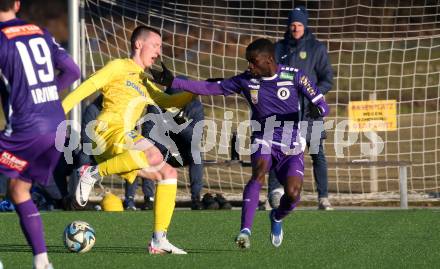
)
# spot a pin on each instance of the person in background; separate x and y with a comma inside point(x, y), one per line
point(300, 49)
point(182, 154)
point(147, 189)
point(33, 69)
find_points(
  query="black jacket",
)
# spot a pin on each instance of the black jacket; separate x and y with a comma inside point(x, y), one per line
point(309, 55)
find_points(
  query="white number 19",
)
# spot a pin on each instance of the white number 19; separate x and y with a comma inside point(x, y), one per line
point(42, 56)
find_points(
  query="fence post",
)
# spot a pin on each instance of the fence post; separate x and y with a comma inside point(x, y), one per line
point(403, 186)
point(74, 31)
point(374, 187)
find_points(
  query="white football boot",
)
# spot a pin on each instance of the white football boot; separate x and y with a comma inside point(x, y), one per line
point(163, 246)
point(88, 175)
point(243, 239)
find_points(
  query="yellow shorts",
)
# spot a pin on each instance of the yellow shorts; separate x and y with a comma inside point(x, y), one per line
point(113, 141)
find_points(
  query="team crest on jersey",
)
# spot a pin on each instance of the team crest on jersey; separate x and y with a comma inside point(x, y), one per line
point(283, 93)
point(303, 55)
point(254, 96)
point(286, 75)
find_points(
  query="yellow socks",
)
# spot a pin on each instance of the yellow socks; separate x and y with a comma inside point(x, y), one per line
point(122, 163)
point(164, 202)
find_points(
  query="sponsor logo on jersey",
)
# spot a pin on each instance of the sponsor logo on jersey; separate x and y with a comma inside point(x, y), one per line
point(45, 94)
point(303, 55)
point(255, 87)
point(285, 83)
point(306, 83)
point(134, 86)
point(12, 162)
point(21, 30)
point(254, 80)
point(283, 93)
point(285, 75)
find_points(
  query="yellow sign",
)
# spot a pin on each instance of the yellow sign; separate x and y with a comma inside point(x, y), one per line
point(376, 115)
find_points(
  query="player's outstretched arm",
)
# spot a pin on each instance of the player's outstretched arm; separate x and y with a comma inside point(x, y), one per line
point(167, 79)
point(164, 100)
point(91, 85)
point(81, 92)
point(199, 87)
point(309, 89)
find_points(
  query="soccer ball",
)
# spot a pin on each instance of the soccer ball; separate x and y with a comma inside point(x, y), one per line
point(79, 237)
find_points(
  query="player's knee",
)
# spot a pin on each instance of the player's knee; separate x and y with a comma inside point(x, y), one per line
point(260, 170)
point(259, 175)
point(154, 157)
point(14, 194)
point(169, 172)
point(17, 192)
point(293, 194)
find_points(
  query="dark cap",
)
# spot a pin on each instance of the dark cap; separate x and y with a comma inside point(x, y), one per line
point(298, 14)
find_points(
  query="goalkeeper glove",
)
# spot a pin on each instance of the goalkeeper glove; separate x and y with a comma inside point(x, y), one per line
point(319, 109)
point(164, 77)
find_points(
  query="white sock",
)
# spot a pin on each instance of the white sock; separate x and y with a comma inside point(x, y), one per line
point(159, 235)
point(41, 260)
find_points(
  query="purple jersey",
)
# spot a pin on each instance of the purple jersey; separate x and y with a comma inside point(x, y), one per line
point(276, 95)
point(29, 84)
point(29, 91)
point(268, 96)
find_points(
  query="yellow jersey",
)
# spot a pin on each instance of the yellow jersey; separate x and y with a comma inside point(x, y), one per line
point(126, 91)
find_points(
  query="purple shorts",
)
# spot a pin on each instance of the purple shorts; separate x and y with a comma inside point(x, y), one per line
point(285, 162)
point(29, 158)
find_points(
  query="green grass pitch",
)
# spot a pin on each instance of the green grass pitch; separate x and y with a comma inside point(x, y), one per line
point(339, 239)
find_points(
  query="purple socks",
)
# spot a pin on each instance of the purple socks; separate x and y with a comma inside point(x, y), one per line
point(286, 206)
point(251, 196)
point(31, 226)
